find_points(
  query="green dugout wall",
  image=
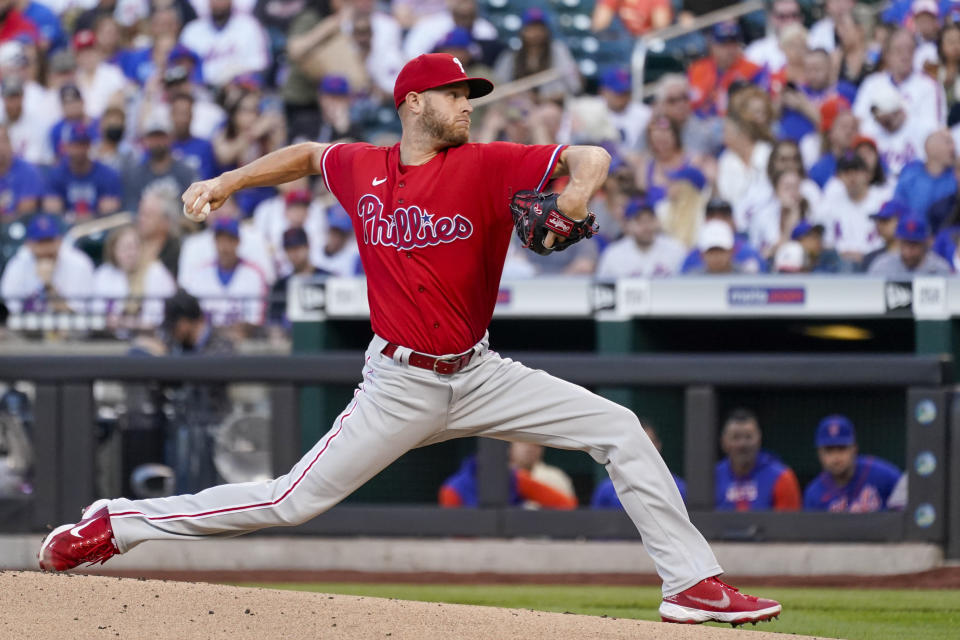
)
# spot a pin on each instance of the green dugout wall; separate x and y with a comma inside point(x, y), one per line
point(744, 314)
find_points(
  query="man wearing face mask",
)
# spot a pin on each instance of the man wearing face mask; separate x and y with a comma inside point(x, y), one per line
point(229, 43)
point(158, 164)
point(111, 149)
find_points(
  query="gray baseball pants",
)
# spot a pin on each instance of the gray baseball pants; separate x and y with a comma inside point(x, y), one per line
point(397, 408)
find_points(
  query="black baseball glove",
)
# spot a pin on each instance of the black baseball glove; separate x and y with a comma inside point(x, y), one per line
point(535, 214)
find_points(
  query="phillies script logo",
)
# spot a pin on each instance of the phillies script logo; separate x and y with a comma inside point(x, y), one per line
point(408, 227)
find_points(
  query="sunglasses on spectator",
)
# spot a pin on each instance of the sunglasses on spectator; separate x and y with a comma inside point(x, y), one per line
point(788, 15)
point(677, 98)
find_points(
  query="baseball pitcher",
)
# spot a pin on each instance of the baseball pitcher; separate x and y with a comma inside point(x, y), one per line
point(433, 216)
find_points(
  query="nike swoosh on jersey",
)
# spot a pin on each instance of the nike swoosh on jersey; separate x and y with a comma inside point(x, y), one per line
point(378, 181)
point(722, 603)
point(76, 530)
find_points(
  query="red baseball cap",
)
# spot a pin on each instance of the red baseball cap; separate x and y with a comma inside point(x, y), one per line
point(84, 39)
point(830, 109)
point(432, 70)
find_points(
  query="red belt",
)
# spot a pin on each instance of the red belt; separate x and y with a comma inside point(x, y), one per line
point(444, 366)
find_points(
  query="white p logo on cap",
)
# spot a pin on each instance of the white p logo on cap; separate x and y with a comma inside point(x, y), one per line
point(460, 64)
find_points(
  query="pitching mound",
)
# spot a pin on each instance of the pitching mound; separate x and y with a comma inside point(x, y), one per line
point(39, 606)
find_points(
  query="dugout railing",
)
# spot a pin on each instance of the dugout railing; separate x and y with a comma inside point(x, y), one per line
point(64, 439)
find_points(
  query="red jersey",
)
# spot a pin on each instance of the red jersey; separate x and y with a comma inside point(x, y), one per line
point(433, 238)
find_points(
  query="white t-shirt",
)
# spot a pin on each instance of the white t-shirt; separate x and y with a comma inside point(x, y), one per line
point(763, 213)
point(59, 6)
point(242, 299)
point(72, 279)
point(198, 249)
point(111, 288)
point(97, 89)
point(240, 47)
point(847, 224)
point(202, 7)
point(428, 31)
point(625, 258)
point(342, 263)
point(270, 220)
point(631, 123)
point(766, 52)
point(735, 178)
point(923, 98)
point(30, 140)
point(899, 147)
point(822, 35)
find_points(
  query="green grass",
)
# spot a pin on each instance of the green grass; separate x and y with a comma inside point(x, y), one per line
point(831, 613)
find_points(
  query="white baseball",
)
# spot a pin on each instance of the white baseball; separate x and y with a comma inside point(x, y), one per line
point(197, 216)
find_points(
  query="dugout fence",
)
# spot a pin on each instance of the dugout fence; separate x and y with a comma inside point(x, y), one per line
point(64, 438)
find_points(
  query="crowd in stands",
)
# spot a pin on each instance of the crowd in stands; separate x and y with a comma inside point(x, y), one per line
point(748, 478)
point(826, 144)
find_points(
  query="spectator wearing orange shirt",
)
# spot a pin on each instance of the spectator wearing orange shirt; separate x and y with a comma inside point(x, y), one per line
point(532, 483)
point(638, 16)
point(711, 77)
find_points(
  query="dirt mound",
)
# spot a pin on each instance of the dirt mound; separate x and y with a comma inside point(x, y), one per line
point(40, 606)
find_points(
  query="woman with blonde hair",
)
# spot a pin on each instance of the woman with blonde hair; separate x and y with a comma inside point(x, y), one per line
point(129, 289)
point(682, 211)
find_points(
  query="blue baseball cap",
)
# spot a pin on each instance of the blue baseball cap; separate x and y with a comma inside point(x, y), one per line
point(727, 31)
point(803, 228)
point(533, 14)
point(76, 132)
point(338, 218)
point(690, 174)
point(913, 229)
point(229, 226)
point(892, 209)
point(616, 79)
point(836, 431)
point(636, 206)
point(44, 226)
point(180, 52)
point(459, 38)
point(335, 85)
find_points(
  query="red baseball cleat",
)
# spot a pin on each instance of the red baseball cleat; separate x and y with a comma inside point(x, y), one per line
point(89, 541)
point(712, 600)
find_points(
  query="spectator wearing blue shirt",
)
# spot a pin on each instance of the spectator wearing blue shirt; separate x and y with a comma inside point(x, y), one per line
point(839, 127)
point(750, 479)
point(605, 496)
point(195, 152)
point(849, 482)
point(79, 186)
point(72, 106)
point(52, 35)
point(21, 185)
point(746, 259)
point(800, 113)
point(922, 183)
